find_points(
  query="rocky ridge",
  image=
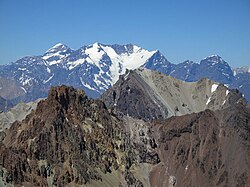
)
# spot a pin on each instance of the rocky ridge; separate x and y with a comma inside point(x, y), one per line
point(149, 95)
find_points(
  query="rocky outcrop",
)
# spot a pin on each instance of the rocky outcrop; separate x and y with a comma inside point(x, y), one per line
point(149, 95)
point(204, 149)
point(72, 140)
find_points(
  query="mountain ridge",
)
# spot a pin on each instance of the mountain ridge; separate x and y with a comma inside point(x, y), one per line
point(149, 95)
point(96, 67)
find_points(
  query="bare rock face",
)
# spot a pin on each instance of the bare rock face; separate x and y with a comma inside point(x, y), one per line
point(133, 97)
point(71, 140)
point(149, 95)
point(204, 149)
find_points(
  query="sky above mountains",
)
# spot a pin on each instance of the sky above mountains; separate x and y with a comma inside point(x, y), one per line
point(180, 29)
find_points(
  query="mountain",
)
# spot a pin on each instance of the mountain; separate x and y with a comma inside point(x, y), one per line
point(210, 148)
point(149, 95)
point(72, 140)
point(212, 67)
point(95, 68)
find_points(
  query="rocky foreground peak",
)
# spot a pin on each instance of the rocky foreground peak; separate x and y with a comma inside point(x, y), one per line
point(66, 96)
point(73, 140)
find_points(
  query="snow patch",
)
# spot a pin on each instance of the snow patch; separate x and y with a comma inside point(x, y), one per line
point(75, 63)
point(48, 70)
point(225, 74)
point(22, 69)
point(214, 87)
point(126, 76)
point(24, 80)
point(235, 73)
point(24, 89)
point(208, 101)
point(45, 81)
point(86, 85)
point(171, 72)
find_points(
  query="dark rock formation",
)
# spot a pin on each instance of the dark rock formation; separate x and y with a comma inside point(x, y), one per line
point(132, 96)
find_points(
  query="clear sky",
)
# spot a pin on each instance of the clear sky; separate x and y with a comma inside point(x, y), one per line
point(180, 29)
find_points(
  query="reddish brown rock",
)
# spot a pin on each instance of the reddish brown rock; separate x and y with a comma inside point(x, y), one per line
point(204, 149)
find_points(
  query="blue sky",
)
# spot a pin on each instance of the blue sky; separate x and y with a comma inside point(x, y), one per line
point(180, 29)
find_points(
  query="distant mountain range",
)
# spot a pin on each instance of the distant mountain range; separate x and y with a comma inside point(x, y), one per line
point(96, 67)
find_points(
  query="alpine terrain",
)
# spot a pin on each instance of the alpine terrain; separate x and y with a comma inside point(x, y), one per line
point(96, 67)
point(120, 115)
point(72, 140)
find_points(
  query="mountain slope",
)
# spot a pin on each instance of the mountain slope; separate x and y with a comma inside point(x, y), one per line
point(204, 149)
point(17, 113)
point(148, 95)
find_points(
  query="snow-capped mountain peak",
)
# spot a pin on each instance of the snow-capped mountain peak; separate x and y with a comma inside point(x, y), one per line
point(112, 59)
point(97, 66)
point(58, 47)
point(55, 54)
point(214, 59)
